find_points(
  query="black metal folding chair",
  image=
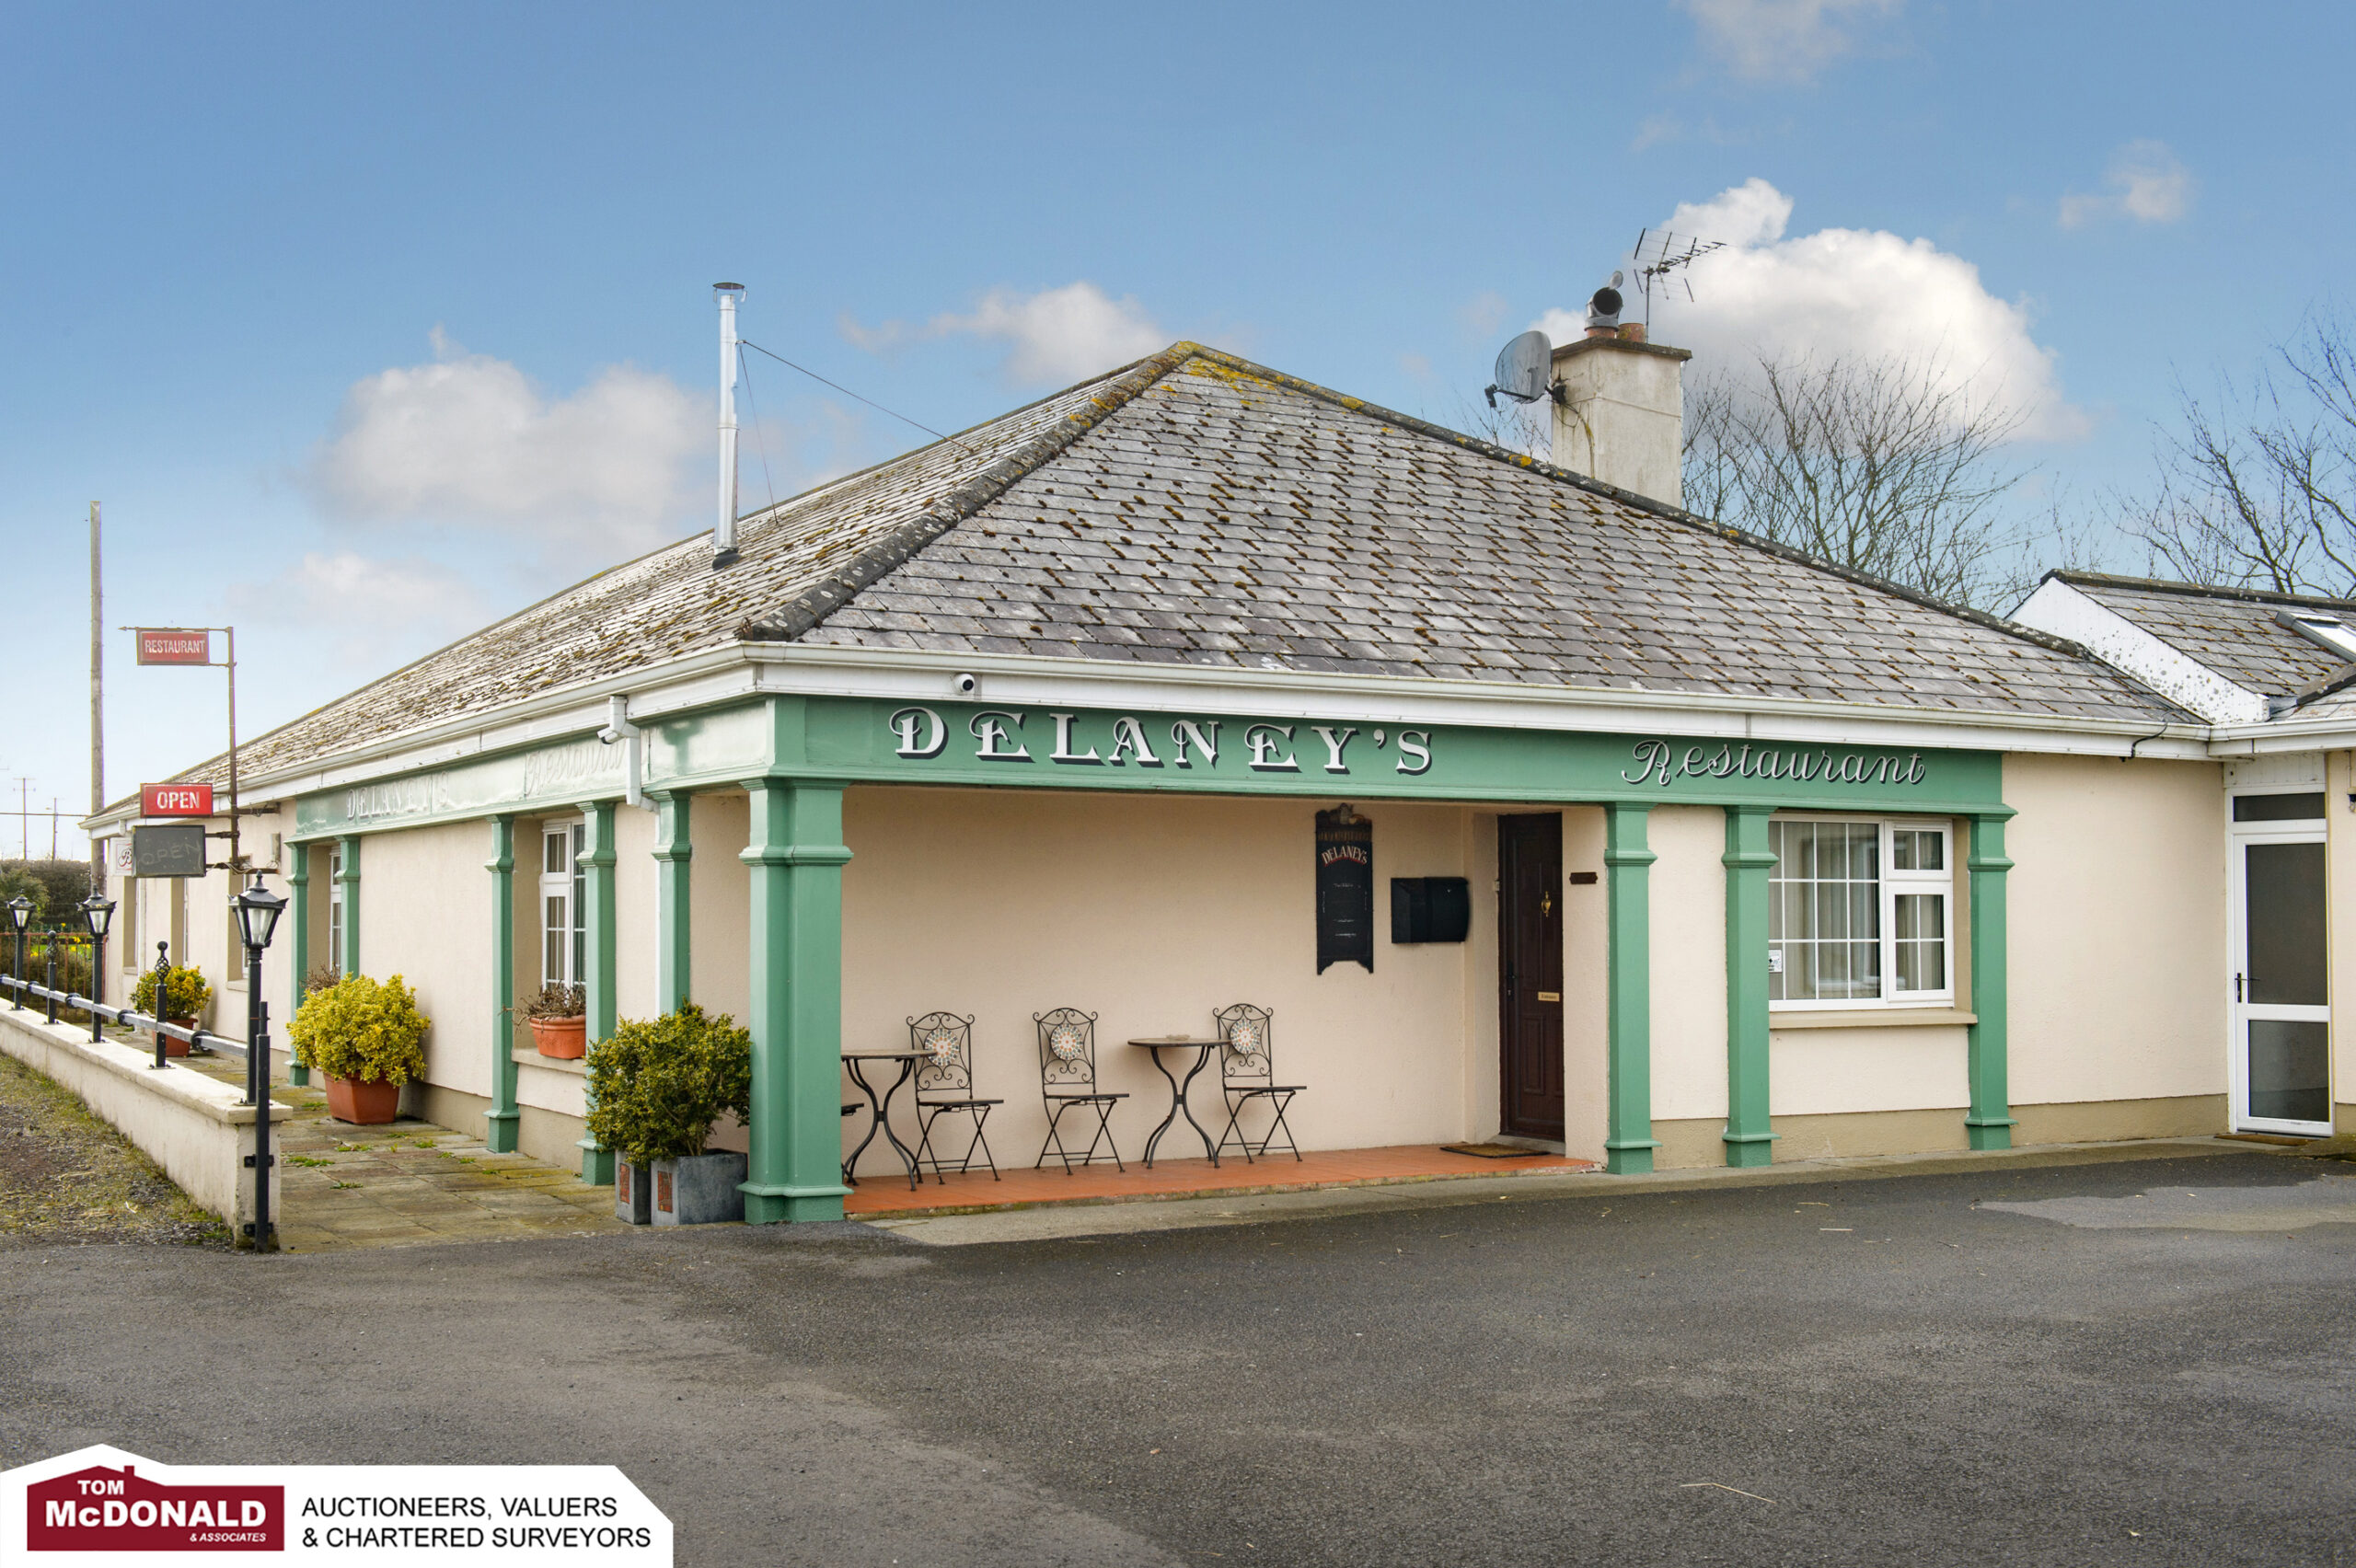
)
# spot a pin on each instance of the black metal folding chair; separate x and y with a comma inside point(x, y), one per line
point(1067, 1078)
point(945, 1086)
point(1247, 1071)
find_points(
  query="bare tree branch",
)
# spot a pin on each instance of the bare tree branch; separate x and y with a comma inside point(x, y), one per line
point(1881, 465)
point(2259, 488)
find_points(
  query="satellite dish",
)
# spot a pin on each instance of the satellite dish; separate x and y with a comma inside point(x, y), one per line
point(1525, 369)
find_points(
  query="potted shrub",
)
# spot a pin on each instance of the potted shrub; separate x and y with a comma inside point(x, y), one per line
point(185, 996)
point(367, 1039)
point(658, 1088)
point(560, 1019)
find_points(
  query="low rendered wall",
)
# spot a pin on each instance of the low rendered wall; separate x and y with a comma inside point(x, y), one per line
point(190, 1125)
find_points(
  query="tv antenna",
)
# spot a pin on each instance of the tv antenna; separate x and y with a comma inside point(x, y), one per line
point(1668, 253)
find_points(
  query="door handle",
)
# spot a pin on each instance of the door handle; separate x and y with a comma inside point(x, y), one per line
point(2237, 988)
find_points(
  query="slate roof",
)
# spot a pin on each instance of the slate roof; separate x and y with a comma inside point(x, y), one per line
point(1196, 509)
point(2230, 630)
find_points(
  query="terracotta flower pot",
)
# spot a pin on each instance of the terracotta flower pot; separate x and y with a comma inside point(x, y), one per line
point(178, 1048)
point(566, 1038)
point(363, 1104)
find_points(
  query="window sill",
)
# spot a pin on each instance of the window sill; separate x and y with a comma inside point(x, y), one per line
point(1871, 1018)
point(527, 1056)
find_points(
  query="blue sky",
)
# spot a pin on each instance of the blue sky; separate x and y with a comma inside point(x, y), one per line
point(367, 327)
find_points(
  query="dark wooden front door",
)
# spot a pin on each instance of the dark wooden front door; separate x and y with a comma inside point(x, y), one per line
point(1529, 959)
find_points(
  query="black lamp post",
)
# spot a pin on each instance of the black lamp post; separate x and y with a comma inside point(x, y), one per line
point(98, 914)
point(258, 912)
point(21, 914)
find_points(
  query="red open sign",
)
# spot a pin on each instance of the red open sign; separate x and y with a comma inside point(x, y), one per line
point(176, 799)
point(170, 645)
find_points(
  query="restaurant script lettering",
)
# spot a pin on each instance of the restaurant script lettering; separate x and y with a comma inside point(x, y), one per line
point(1010, 736)
point(1665, 762)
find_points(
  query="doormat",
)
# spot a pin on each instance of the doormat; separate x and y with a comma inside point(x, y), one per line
point(1496, 1151)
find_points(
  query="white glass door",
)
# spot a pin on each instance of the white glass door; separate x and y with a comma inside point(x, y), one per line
point(2281, 1016)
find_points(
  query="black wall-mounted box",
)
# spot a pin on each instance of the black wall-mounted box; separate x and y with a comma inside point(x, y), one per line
point(1430, 909)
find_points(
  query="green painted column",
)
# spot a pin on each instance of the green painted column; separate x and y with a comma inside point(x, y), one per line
point(499, 1135)
point(597, 1159)
point(348, 882)
point(1749, 1135)
point(1990, 1122)
point(675, 859)
point(797, 856)
point(1629, 1143)
point(298, 952)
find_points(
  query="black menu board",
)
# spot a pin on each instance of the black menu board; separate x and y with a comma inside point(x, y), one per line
point(1344, 889)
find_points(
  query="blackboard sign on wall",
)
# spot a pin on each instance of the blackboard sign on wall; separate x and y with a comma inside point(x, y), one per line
point(1344, 889)
point(174, 851)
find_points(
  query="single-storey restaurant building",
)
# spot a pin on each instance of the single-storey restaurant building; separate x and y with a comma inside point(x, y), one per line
point(1192, 685)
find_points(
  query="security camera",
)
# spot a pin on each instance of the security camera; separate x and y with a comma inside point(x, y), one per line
point(967, 686)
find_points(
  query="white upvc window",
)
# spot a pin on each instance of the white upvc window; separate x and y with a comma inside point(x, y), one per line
point(564, 933)
point(1860, 913)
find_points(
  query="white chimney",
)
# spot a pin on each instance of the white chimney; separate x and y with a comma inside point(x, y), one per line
point(723, 535)
point(1621, 418)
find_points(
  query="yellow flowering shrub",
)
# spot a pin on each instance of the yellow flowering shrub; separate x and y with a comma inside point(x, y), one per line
point(361, 1030)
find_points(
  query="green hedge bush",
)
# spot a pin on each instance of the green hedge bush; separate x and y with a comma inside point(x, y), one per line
point(361, 1030)
point(659, 1086)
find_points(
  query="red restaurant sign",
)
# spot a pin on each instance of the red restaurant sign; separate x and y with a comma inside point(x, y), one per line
point(176, 799)
point(170, 645)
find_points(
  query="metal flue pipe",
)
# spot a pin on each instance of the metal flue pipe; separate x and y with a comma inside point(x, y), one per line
point(723, 535)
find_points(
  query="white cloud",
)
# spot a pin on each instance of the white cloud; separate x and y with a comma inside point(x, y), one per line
point(1482, 314)
point(1053, 337)
point(373, 613)
point(1844, 293)
point(1782, 40)
point(609, 471)
point(2147, 183)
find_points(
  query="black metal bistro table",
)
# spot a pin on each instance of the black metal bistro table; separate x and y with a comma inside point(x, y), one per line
point(854, 1063)
point(1202, 1049)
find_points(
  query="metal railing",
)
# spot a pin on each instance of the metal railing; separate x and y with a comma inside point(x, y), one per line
point(262, 1234)
point(32, 996)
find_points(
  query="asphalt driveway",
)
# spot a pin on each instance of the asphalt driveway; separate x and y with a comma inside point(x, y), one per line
point(2109, 1369)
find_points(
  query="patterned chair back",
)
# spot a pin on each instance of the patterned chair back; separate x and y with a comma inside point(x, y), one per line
point(1246, 1051)
point(1067, 1051)
point(946, 1069)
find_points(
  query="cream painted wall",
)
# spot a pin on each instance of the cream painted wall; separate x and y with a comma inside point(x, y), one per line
point(424, 915)
point(719, 894)
point(2117, 911)
point(207, 929)
point(1484, 1064)
point(1586, 1013)
point(2340, 818)
point(1151, 911)
point(1689, 959)
point(634, 933)
point(1818, 1072)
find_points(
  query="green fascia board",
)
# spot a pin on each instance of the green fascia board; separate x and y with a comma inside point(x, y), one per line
point(841, 741)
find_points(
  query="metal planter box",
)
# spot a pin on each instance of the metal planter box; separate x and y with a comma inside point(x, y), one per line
point(633, 1193)
point(699, 1189)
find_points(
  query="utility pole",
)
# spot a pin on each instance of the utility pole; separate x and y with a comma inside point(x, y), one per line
point(52, 827)
point(97, 711)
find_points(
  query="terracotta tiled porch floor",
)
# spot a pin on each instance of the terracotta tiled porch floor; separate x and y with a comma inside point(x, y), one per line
point(883, 1196)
